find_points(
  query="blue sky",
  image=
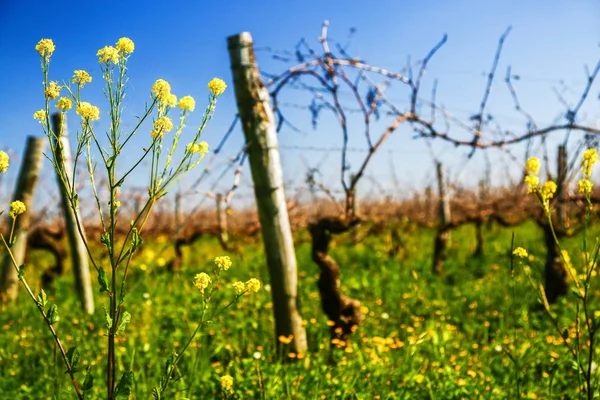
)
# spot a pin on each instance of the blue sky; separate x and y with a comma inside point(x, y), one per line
point(185, 43)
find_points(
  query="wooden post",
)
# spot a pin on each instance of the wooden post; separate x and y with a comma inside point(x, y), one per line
point(561, 181)
point(177, 210)
point(261, 137)
point(442, 238)
point(79, 256)
point(444, 210)
point(31, 166)
point(222, 221)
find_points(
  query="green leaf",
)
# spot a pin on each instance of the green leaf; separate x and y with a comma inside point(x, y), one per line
point(53, 314)
point(42, 299)
point(75, 201)
point(122, 295)
point(136, 239)
point(123, 389)
point(88, 383)
point(156, 394)
point(105, 240)
point(108, 319)
point(102, 280)
point(21, 271)
point(73, 359)
point(125, 319)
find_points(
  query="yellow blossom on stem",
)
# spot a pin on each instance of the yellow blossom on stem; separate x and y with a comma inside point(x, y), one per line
point(187, 103)
point(17, 207)
point(81, 77)
point(226, 383)
point(532, 183)
point(547, 191)
point(533, 165)
point(162, 126)
point(520, 252)
point(53, 90)
point(223, 262)
point(40, 115)
point(45, 48)
point(4, 161)
point(585, 186)
point(64, 103)
point(239, 287)
point(161, 89)
point(217, 86)
point(86, 110)
point(201, 281)
point(253, 285)
point(198, 148)
point(108, 54)
point(125, 45)
point(590, 157)
point(171, 100)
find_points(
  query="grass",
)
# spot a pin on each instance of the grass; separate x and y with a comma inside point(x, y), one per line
point(477, 333)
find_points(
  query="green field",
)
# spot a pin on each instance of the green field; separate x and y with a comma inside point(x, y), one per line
point(475, 333)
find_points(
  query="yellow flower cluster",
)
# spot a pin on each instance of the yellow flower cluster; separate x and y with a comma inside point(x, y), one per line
point(86, 110)
point(4, 161)
point(125, 45)
point(590, 157)
point(187, 103)
point(64, 103)
point(81, 77)
point(40, 115)
point(53, 90)
point(108, 54)
point(520, 252)
point(198, 148)
point(161, 90)
point(226, 383)
point(201, 281)
point(253, 285)
point(45, 47)
point(533, 168)
point(545, 191)
point(161, 126)
point(17, 208)
point(217, 86)
point(239, 287)
point(223, 262)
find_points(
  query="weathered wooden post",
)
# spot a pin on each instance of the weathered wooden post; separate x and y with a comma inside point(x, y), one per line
point(561, 180)
point(260, 132)
point(31, 166)
point(222, 221)
point(79, 256)
point(442, 239)
point(177, 210)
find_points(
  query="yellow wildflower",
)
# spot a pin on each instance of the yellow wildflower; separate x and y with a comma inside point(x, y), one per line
point(171, 100)
point(198, 148)
point(253, 285)
point(226, 383)
point(45, 47)
point(585, 186)
point(81, 77)
point(53, 90)
point(590, 157)
point(4, 161)
point(125, 45)
point(161, 89)
point(40, 115)
point(239, 287)
point(532, 182)
point(223, 262)
point(17, 208)
point(201, 281)
point(217, 86)
point(86, 110)
point(533, 165)
point(520, 252)
point(547, 191)
point(64, 103)
point(108, 54)
point(162, 126)
point(285, 339)
point(187, 103)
